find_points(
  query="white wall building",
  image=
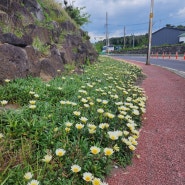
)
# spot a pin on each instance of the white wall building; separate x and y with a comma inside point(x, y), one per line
point(182, 38)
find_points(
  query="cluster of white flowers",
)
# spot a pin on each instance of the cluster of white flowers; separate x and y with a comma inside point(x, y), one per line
point(3, 102)
point(62, 102)
point(28, 176)
point(92, 115)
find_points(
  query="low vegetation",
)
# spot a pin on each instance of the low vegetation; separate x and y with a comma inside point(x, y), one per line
point(41, 47)
point(71, 130)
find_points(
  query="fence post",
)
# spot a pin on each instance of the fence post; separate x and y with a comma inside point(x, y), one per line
point(163, 55)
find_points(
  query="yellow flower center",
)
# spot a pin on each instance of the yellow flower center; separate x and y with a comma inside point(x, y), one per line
point(96, 182)
point(75, 169)
point(87, 178)
point(94, 151)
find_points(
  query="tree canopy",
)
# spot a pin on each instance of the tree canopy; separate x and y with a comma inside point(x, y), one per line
point(172, 26)
point(76, 14)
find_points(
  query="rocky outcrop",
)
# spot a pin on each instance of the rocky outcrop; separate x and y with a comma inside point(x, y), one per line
point(30, 44)
point(12, 39)
point(14, 62)
point(35, 8)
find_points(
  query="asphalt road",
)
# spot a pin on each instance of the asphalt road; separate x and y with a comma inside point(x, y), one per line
point(173, 64)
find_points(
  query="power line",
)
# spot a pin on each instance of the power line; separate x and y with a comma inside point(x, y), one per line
point(135, 24)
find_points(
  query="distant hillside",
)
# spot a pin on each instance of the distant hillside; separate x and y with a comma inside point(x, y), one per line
point(136, 41)
point(130, 41)
point(38, 38)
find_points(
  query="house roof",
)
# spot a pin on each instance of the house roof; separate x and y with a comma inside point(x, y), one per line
point(180, 29)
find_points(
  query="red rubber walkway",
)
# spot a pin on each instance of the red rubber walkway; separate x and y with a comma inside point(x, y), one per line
point(161, 145)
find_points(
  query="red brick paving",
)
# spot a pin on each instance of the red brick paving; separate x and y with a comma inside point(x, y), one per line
point(162, 138)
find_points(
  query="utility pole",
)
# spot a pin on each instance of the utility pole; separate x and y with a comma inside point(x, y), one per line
point(107, 33)
point(133, 40)
point(150, 33)
point(124, 36)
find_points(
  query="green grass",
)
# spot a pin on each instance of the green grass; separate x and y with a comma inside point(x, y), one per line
point(37, 44)
point(28, 135)
point(56, 12)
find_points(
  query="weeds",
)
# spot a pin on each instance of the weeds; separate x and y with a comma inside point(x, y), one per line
point(41, 47)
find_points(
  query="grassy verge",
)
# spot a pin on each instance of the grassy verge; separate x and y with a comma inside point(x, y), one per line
point(71, 130)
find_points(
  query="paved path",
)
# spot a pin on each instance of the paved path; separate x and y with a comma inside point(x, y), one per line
point(162, 138)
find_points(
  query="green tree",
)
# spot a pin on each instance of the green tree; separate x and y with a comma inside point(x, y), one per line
point(181, 27)
point(76, 14)
point(99, 45)
point(170, 26)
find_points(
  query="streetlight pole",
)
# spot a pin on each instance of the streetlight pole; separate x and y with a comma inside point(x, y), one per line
point(150, 33)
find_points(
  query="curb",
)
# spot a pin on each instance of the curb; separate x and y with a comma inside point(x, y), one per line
point(180, 73)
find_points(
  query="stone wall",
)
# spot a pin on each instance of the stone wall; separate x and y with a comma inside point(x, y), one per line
point(31, 49)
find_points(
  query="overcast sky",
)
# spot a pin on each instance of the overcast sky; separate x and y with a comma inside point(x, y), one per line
point(133, 14)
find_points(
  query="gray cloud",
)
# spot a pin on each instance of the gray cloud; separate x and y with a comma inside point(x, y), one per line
point(133, 14)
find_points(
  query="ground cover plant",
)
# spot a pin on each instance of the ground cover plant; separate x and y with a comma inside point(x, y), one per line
point(72, 129)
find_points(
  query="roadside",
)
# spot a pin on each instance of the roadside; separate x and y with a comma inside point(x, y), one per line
point(159, 157)
point(180, 73)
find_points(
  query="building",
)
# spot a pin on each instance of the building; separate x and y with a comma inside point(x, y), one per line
point(107, 49)
point(182, 38)
point(167, 35)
